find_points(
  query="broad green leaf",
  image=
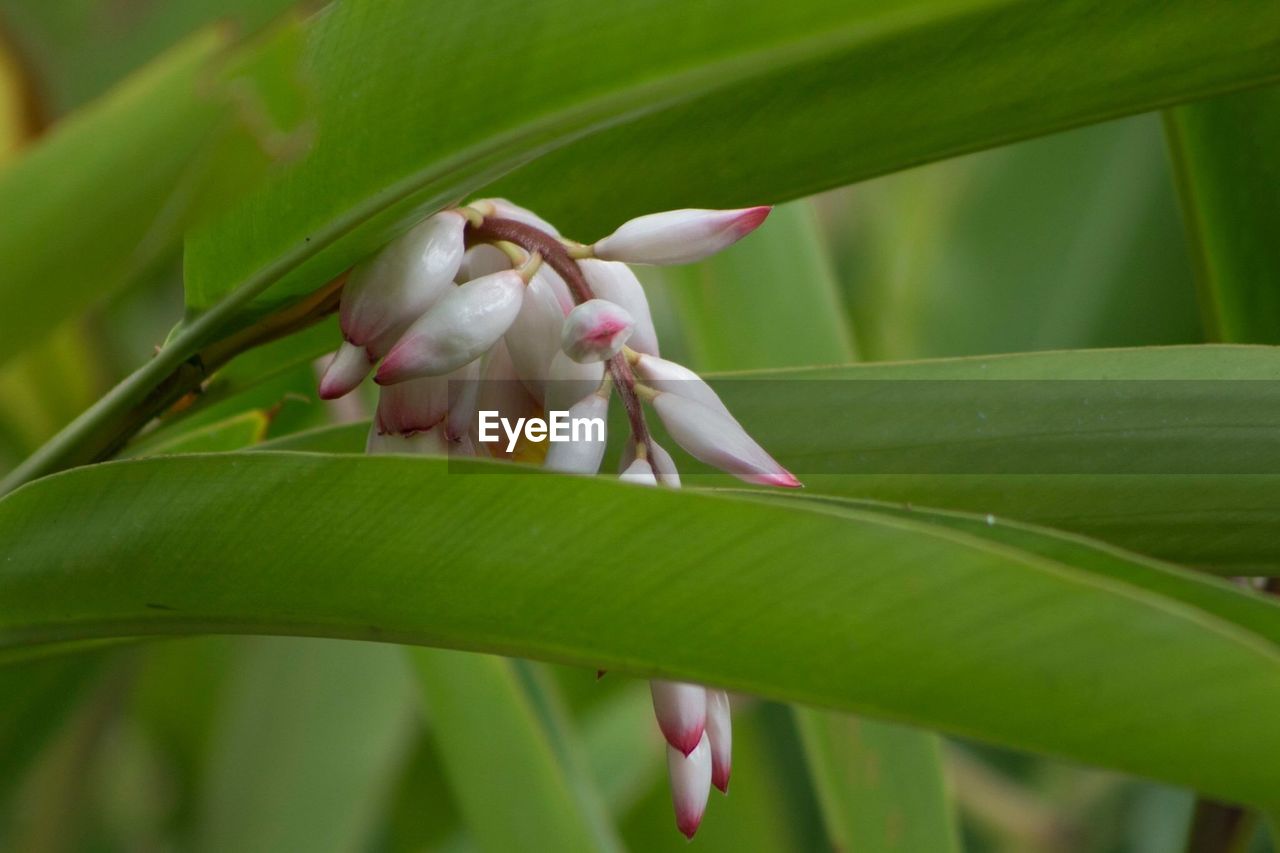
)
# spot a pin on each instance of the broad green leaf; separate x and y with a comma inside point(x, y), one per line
point(879, 785)
point(100, 201)
point(892, 617)
point(1221, 521)
point(310, 737)
point(514, 787)
point(1224, 151)
point(833, 91)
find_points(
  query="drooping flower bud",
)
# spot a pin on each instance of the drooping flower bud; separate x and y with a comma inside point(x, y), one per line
point(395, 286)
point(662, 375)
point(718, 440)
point(681, 710)
point(690, 777)
point(678, 236)
point(596, 331)
point(459, 328)
point(482, 260)
point(347, 369)
point(418, 405)
point(585, 449)
point(619, 285)
point(720, 733)
point(569, 381)
point(534, 338)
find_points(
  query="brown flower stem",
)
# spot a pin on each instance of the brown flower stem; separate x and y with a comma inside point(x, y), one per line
point(555, 255)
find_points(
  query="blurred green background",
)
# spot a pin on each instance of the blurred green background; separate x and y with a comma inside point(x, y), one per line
point(250, 744)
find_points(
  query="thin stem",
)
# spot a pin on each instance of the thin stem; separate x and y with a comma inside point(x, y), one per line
point(556, 255)
point(177, 370)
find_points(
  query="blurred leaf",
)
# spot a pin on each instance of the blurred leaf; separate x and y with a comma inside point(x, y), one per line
point(1227, 167)
point(626, 753)
point(514, 787)
point(311, 736)
point(78, 48)
point(39, 695)
point(679, 108)
point(946, 630)
point(879, 784)
point(97, 198)
point(1068, 241)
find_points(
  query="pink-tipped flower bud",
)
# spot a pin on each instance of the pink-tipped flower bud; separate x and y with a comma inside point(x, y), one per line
point(596, 331)
point(690, 777)
point(718, 440)
point(678, 236)
point(569, 381)
point(619, 285)
point(418, 405)
point(347, 369)
point(394, 287)
point(662, 375)
point(587, 428)
point(720, 733)
point(681, 710)
point(459, 328)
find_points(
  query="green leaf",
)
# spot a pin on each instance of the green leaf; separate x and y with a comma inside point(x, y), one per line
point(879, 784)
point(233, 433)
point(310, 738)
point(1225, 156)
point(403, 131)
point(516, 790)
point(892, 617)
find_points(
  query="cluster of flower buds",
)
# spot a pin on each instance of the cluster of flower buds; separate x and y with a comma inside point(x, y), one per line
point(487, 308)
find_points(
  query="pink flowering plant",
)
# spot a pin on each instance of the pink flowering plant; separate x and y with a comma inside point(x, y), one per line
point(494, 426)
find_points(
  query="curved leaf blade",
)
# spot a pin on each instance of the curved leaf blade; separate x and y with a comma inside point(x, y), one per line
point(890, 617)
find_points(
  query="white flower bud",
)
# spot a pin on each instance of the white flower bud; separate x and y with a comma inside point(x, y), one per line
point(429, 443)
point(394, 287)
point(639, 472)
point(418, 405)
point(690, 777)
point(619, 285)
point(662, 375)
point(596, 331)
point(569, 381)
point(681, 710)
point(718, 440)
point(720, 733)
point(534, 338)
point(482, 260)
point(678, 236)
point(458, 329)
point(660, 464)
point(347, 369)
point(582, 456)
